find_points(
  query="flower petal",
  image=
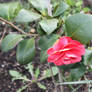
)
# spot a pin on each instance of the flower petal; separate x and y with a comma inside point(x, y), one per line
point(59, 62)
point(54, 57)
point(63, 41)
point(50, 51)
point(66, 51)
point(75, 60)
point(77, 48)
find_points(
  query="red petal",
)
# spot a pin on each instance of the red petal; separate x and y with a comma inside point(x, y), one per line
point(50, 51)
point(63, 41)
point(75, 60)
point(71, 60)
point(67, 62)
point(76, 42)
point(59, 62)
point(54, 57)
point(78, 49)
point(70, 54)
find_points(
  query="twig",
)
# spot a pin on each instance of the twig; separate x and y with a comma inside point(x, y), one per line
point(56, 90)
point(18, 29)
point(5, 29)
point(60, 80)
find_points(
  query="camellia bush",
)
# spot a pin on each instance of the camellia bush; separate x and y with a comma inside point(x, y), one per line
point(63, 37)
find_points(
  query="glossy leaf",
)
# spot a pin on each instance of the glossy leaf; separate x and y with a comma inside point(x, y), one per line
point(88, 58)
point(46, 42)
point(26, 16)
point(10, 41)
point(79, 26)
point(40, 31)
point(78, 72)
point(60, 9)
point(40, 5)
point(49, 25)
point(9, 10)
point(26, 51)
point(43, 56)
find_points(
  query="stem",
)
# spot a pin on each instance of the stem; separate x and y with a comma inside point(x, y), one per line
point(53, 78)
point(5, 29)
point(18, 29)
point(60, 80)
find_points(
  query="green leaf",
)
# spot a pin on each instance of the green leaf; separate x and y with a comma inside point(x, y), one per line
point(71, 2)
point(18, 76)
point(86, 9)
point(88, 58)
point(37, 72)
point(9, 10)
point(49, 25)
point(26, 51)
point(41, 86)
point(40, 5)
point(15, 74)
point(43, 56)
point(46, 42)
point(79, 26)
point(40, 31)
point(22, 88)
point(62, 7)
point(47, 73)
point(27, 16)
point(10, 41)
point(78, 72)
point(30, 68)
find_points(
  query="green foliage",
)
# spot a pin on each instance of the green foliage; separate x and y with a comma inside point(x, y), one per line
point(9, 10)
point(78, 72)
point(25, 16)
point(61, 8)
point(70, 2)
point(88, 58)
point(30, 69)
point(49, 25)
point(86, 9)
point(40, 31)
point(10, 41)
point(46, 42)
point(78, 26)
point(41, 86)
point(26, 51)
point(47, 73)
point(14, 73)
point(22, 88)
point(43, 56)
point(17, 75)
point(37, 72)
point(40, 5)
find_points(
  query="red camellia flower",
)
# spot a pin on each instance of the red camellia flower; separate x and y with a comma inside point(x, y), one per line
point(65, 51)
